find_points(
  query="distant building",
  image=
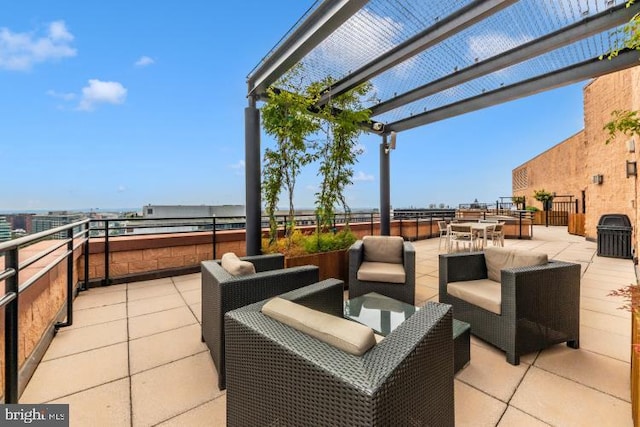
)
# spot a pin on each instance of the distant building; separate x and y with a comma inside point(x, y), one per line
point(21, 221)
point(191, 211)
point(55, 219)
point(5, 230)
point(186, 218)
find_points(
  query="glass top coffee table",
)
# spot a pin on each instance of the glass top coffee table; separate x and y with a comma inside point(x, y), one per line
point(384, 314)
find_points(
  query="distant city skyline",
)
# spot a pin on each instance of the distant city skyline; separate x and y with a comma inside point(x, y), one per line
point(102, 108)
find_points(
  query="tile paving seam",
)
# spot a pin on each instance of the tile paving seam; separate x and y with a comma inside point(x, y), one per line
point(191, 409)
point(195, 322)
point(168, 363)
point(129, 358)
point(84, 351)
point(87, 389)
point(583, 384)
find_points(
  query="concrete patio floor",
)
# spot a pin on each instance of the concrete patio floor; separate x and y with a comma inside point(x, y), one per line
point(134, 358)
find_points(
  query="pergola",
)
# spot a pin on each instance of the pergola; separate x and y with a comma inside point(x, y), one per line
point(432, 59)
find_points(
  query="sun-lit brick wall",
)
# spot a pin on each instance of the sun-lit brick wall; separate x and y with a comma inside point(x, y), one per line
point(617, 193)
point(569, 167)
point(559, 169)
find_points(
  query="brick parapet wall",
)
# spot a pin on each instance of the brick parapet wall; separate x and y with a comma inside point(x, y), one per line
point(40, 304)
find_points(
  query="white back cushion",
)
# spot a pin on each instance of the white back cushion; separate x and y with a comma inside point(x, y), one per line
point(383, 249)
point(498, 258)
point(348, 336)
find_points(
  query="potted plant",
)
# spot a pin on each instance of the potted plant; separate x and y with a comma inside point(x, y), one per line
point(545, 197)
point(519, 201)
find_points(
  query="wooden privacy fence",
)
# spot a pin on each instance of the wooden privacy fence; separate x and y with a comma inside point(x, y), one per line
point(576, 224)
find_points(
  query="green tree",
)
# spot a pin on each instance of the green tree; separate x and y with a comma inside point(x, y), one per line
point(342, 120)
point(625, 121)
point(285, 116)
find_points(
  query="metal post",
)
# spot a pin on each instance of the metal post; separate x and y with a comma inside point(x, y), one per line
point(520, 214)
point(371, 225)
point(107, 282)
point(11, 330)
point(431, 225)
point(69, 321)
point(86, 256)
point(213, 238)
point(385, 193)
point(253, 226)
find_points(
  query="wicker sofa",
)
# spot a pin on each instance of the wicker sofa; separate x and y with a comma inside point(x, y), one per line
point(222, 292)
point(530, 308)
point(277, 375)
point(382, 256)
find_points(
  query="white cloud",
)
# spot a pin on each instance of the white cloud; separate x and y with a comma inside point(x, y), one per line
point(376, 32)
point(20, 51)
point(486, 45)
point(144, 61)
point(65, 96)
point(121, 189)
point(238, 165)
point(99, 92)
point(361, 176)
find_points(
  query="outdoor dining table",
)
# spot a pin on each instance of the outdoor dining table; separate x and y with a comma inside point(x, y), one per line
point(479, 226)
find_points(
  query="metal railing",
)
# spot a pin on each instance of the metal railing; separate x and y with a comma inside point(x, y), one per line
point(10, 274)
point(108, 228)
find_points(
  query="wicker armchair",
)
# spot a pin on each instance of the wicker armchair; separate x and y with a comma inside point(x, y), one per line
point(277, 375)
point(405, 257)
point(222, 292)
point(539, 305)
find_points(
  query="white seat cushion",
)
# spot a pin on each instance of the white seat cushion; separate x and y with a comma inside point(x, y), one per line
point(348, 336)
point(484, 293)
point(235, 266)
point(381, 272)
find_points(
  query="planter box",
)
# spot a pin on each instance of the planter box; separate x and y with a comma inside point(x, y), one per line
point(333, 264)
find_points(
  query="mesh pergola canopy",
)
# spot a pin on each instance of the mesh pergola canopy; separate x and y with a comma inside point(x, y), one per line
point(429, 60)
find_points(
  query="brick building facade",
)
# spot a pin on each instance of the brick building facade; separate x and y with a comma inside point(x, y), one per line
point(573, 166)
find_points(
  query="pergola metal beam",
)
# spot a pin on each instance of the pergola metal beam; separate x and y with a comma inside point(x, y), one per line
point(565, 36)
point(320, 24)
point(572, 74)
point(444, 29)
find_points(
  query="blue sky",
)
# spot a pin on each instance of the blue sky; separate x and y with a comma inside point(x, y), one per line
point(121, 104)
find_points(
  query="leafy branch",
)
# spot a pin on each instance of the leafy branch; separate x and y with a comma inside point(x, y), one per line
point(625, 121)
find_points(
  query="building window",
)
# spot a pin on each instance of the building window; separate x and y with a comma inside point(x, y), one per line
point(149, 211)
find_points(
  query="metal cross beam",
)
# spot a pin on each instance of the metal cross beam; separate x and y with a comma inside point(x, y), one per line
point(320, 24)
point(444, 29)
point(568, 75)
point(580, 30)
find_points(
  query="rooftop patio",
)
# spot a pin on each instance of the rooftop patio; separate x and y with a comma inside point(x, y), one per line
point(134, 356)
